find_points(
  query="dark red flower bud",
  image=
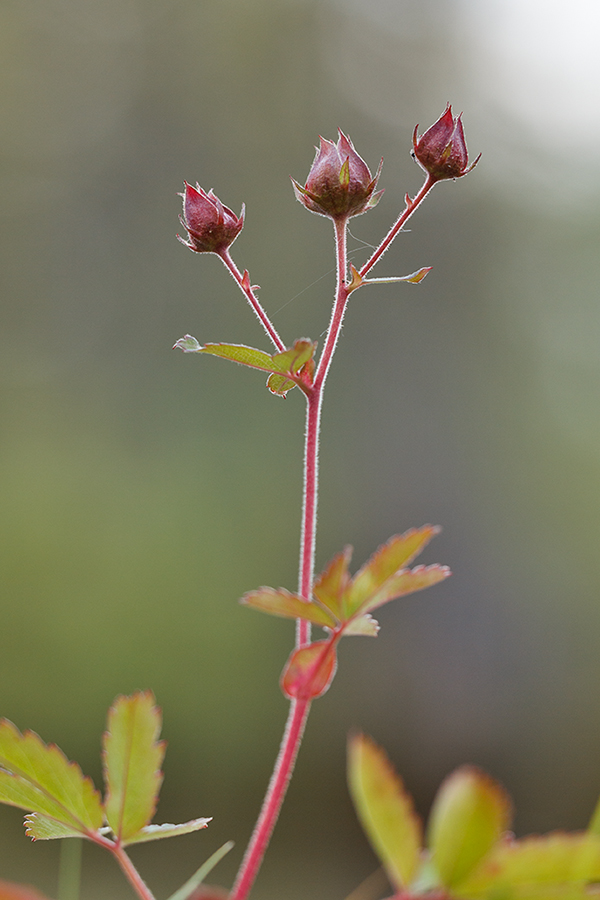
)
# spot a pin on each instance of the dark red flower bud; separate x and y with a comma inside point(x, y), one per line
point(442, 150)
point(211, 227)
point(339, 184)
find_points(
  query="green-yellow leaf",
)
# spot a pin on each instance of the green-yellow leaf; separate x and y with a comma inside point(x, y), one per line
point(553, 865)
point(132, 760)
point(292, 606)
point(470, 813)
point(385, 810)
point(41, 828)
point(245, 356)
point(157, 832)
point(39, 778)
point(392, 556)
point(407, 581)
point(333, 582)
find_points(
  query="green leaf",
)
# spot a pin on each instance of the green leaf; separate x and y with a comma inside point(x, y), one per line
point(157, 832)
point(470, 813)
point(331, 585)
point(309, 671)
point(292, 606)
point(245, 356)
point(192, 883)
point(132, 759)
point(385, 810)
point(536, 868)
point(11, 891)
point(41, 828)
point(392, 556)
point(39, 778)
point(407, 581)
point(284, 367)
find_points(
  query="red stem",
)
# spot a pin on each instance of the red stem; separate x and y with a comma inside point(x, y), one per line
point(252, 299)
point(404, 216)
point(299, 709)
point(132, 874)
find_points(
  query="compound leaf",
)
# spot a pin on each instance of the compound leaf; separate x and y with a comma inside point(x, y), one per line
point(395, 554)
point(39, 778)
point(332, 584)
point(132, 758)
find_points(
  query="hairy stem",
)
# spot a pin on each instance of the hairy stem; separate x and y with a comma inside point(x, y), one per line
point(131, 873)
point(404, 216)
point(246, 288)
point(299, 709)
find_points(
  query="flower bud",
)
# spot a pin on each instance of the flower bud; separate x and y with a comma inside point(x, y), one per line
point(339, 184)
point(442, 150)
point(211, 227)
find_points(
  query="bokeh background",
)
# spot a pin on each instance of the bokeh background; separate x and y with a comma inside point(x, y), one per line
point(143, 491)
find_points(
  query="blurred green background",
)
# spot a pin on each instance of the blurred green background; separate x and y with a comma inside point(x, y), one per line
point(143, 491)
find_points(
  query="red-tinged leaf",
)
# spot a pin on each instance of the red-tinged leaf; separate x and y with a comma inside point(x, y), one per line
point(11, 891)
point(157, 832)
point(407, 581)
point(418, 276)
point(309, 671)
point(333, 582)
point(39, 778)
point(41, 828)
point(132, 759)
point(291, 606)
point(551, 866)
point(470, 814)
point(385, 810)
point(366, 626)
point(290, 362)
point(392, 556)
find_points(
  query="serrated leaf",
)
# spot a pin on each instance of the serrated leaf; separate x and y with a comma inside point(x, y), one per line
point(470, 814)
point(309, 671)
point(42, 828)
point(407, 581)
point(157, 832)
point(132, 759)
point(333, 582)
point(282, 603)
point(39, 778)
point(392, 556)
point(11, 891)
point(536, 868)
point(385, 810)
point(365, 626)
